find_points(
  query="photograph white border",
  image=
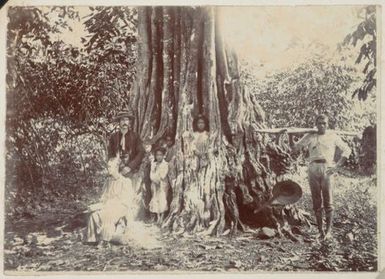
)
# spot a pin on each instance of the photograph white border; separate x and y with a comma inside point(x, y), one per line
point(288, 275)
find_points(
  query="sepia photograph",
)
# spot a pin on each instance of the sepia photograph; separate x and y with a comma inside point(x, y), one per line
point(207, 138)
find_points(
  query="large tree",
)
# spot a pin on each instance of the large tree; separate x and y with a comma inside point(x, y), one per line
point(184, 68)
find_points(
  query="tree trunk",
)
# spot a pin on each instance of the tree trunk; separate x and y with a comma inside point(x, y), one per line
point(184, 69)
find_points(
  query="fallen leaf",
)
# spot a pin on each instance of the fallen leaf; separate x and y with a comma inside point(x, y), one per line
point(350, 236)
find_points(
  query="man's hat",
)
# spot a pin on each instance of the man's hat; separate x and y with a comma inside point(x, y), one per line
point(286, 192)
point(124, 113)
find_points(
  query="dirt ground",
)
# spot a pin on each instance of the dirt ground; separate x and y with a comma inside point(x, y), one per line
point(38, 244)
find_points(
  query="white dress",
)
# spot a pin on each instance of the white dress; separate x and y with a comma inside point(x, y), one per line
point(119, 205)
point(198, 164)
point(200, 146)
point(159, 187)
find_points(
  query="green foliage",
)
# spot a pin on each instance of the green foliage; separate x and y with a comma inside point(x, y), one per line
point(111, 24)
point(61, 98)
point(60, 166)
point(365, 35)
point(368, 152)
point(358, 219)
point(111, 50)
point(292, 98)
point(59, 80)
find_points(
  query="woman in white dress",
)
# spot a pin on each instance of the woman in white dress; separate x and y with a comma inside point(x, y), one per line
point(119, 203)
point(118, 207)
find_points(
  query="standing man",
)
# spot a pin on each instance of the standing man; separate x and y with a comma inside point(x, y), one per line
point(322, 145)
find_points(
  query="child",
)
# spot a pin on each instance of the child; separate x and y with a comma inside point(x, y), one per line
point(167, 143)
point(200, 141)
point(159, 184)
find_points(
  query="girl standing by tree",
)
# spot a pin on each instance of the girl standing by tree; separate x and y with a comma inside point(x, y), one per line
point(200, 140)
point(159, 184)
point(197, 192)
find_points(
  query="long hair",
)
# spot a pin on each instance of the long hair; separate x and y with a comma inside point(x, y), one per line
point(195, 122)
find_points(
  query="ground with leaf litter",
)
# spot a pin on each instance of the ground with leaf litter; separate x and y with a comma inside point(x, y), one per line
point(38, 243)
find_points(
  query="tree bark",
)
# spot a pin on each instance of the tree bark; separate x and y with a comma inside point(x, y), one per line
point(184, 68)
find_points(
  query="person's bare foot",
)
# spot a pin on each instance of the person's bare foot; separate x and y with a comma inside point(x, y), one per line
point(328, 235)
point(321, 236)
point(103, 244)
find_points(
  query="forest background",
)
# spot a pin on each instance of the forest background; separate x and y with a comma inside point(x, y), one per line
point(65, 84)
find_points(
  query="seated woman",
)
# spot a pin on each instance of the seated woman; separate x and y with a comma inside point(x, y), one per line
point(119, 204)
point(118, 207)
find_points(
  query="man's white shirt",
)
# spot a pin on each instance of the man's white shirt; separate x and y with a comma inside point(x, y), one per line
point(323, 147)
